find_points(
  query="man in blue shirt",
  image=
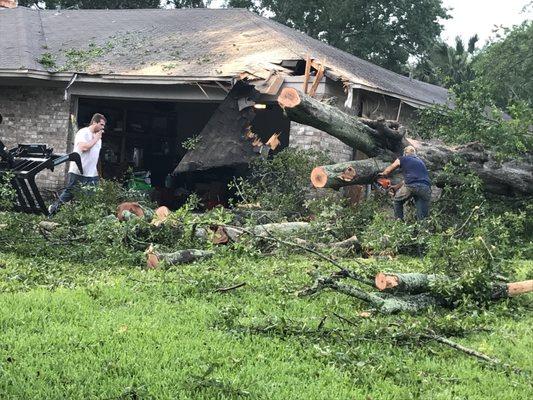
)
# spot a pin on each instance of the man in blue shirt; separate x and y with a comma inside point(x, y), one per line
point(416, 183)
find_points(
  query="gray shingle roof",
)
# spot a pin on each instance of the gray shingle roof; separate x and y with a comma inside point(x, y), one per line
point(184, 42)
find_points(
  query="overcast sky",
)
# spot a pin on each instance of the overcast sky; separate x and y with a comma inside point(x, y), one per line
point(480, 16)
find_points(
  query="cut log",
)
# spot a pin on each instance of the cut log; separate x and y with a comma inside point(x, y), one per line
point(421, 283)
point(385, 305)
point(160, 215)
point(350, 243)
point(127, 210)
point(378, 139)
point(516, 288)
point(357, 172)
point(224, 234)
point(234, 233)
point(406, 283)
point(503, 290)
point(280, 228)
point(154, 258)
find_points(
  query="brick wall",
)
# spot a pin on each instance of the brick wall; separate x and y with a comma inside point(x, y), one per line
point(36, 115)
point(306, 137)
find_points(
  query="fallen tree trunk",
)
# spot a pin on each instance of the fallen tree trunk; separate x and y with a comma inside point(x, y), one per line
point(280, 228)
point(377, 140)
point(306, 110)
point(411, 291)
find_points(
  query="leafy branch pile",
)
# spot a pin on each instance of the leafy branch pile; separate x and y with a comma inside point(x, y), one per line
point(474, 246)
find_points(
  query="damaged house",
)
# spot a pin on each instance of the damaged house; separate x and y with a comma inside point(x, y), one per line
point(189, 94)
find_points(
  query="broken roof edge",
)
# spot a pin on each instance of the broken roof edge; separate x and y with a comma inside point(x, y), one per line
point(172, 80)
point(409, 100)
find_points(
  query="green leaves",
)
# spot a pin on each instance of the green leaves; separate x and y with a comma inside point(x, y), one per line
point(506, 66)
point(385, 32)
point(280, 183)
point(474, 117)
point(7, 192)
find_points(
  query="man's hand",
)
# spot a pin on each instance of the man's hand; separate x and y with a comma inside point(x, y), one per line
point(394, 188)
point(98, 135)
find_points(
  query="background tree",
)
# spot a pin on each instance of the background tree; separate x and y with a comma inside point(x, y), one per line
point(506, 66)
point(385, 32)
point(447, 65)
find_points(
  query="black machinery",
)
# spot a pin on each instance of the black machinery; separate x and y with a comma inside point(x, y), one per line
point(23, 163)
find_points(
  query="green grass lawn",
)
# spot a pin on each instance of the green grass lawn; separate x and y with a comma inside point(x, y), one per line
point(97, 331)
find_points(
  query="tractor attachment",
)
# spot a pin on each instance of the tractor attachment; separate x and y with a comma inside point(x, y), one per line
point(23, 163)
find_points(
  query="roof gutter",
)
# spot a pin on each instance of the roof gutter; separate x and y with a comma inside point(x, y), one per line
point(112, 78)
point(408, 100)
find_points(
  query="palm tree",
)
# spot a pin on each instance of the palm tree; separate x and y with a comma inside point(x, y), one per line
point(447, 65)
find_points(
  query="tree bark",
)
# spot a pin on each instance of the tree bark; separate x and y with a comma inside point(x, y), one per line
point(383, 143)
point(385, 305)
point(414, 283)
point(406, 283)
point(154, 258)
point(352, 243)
point(308, 111)
point(358, 172)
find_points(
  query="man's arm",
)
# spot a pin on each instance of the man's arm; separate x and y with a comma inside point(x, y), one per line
point(391, 167)
point(86, 146)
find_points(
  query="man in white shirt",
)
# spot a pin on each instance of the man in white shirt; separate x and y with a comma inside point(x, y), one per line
point(87, 143)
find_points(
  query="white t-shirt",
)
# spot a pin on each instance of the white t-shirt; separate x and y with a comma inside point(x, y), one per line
point(89, 158)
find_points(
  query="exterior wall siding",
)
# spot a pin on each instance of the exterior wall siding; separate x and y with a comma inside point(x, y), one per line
point(308, 138)
point(36, 115)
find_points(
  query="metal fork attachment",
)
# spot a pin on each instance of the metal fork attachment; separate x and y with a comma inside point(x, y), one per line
point(23, 163)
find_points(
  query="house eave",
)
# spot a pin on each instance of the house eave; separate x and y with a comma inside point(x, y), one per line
point(112, 78)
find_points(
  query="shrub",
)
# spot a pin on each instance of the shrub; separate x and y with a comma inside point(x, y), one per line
point(7, 192)
point(282, 182)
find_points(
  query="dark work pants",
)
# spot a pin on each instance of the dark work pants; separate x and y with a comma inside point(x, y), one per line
point(74, 181)
point(422, 197)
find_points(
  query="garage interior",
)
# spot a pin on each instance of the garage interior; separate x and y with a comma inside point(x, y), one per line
point(144, 141)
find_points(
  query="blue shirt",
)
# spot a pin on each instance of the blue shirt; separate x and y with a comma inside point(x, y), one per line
point(414, 171)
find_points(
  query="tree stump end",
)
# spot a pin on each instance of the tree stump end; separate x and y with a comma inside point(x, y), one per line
point(152, 261)
point(289, 98)
point(384, 281)
point(319, 177)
